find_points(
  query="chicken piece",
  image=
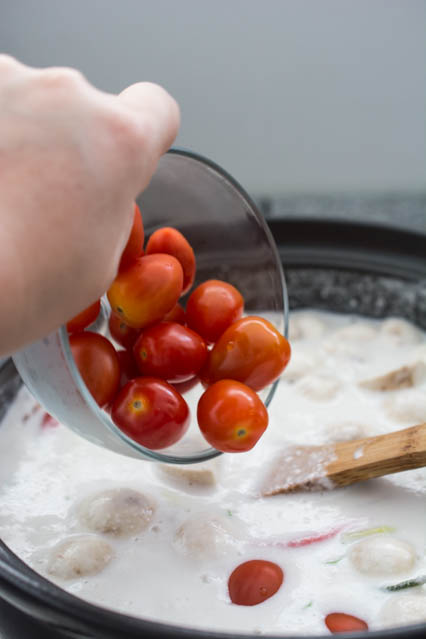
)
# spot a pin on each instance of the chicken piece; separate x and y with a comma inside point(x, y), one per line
point(382, 555)
point(404, 377)
point(400, 331)
point(119, 512)
point(402, 610)
point(206, 536)
point(305, 326)
point(350, 341)
point(79, 557)
point(300, 365)
point(345, 431)
point(319, 388)
point(408, 407)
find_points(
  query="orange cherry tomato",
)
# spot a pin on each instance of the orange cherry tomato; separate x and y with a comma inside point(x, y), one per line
point(85, 318)
point(171, 241)
point(212, 307)
point(177, 314)
point(134, 246)
point(170, 351)
point(341, 622)
point(231, 416)
point(151, 412)
point(123, 334)
point(254, 581)
point(148, 289)
point(251, 351)
point(97, 363)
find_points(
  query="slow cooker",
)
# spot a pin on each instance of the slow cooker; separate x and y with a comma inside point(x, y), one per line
point(361, 256)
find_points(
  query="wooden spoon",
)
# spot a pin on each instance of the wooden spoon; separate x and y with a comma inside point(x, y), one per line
point(344, 463)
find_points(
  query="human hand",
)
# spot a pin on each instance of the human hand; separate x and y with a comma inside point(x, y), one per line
point(72, 161)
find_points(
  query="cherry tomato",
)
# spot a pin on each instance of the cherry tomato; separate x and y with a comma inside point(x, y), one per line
point(341, 622)
point(151, 412)
point(231, 416)
point(85, 318)
point(251, 351)
point(134, 246)
point(128, 367)
point(171, 241)
point(123, 334)
point(212, 307)
point(98, 364)
point(147, 290)
point(254, 581)
point(170, 351)
point(177, 314)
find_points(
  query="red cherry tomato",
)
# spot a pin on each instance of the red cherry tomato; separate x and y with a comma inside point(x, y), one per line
point(341, 622)
point(171, 241)
point(123, 334)
point(134, 246)
point(151, 412)
point(177, 314)
point(98, 364)
point(231, 416)
point(251, 351)
point(147, 290)
point(48, 421)
point(254, 581)
point(212, 307)
point(170, 351)
point(85, 318)
point(128, 367)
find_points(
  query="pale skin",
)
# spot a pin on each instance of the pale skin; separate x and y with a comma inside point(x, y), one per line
point(72, 161)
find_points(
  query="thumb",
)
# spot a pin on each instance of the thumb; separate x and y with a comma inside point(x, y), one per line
point(158, 111)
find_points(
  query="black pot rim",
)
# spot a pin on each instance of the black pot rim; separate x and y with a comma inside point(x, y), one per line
point(27, 590)
point(65, 610)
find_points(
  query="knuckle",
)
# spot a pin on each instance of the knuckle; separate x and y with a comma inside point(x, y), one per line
point(7, 62)
point(130, 133)
point(61, 78)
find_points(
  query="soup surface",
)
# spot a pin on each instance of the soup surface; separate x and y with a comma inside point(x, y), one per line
point(160, 542)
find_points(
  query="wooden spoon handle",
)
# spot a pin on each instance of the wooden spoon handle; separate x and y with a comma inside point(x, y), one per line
point(376, 456)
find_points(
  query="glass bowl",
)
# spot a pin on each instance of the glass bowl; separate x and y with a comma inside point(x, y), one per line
point(231, 242)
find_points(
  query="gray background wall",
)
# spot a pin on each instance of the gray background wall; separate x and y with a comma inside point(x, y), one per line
point(288, 95)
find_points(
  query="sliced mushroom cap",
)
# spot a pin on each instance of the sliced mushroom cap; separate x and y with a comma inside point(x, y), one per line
point(404, 377)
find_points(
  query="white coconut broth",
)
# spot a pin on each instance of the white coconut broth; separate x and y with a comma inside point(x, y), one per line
point(160, 542)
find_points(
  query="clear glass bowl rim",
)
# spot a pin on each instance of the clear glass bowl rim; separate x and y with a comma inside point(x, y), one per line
point(209, 453)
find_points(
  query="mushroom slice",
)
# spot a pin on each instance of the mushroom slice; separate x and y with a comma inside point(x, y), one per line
point(404, 377)
point(202, 474)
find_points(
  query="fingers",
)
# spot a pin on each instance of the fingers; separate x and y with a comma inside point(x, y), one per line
point(158, 113)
